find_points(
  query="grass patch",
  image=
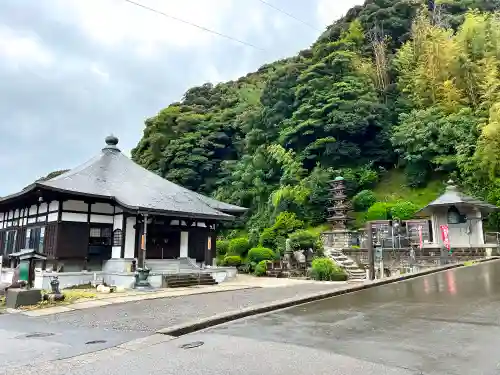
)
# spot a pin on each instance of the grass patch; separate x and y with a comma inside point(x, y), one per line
point(392, 188)
point(70, 296)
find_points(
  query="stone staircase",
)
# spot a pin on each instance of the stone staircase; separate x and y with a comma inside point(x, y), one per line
point(185, 280)
point(353, 271)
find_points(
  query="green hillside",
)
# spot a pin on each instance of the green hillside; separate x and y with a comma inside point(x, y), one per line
point(397, 96)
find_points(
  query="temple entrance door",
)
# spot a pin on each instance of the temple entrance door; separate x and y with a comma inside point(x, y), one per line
point(163, 242)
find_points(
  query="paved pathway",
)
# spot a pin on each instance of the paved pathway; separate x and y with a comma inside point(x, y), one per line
point(24, 340)
point(154, 314)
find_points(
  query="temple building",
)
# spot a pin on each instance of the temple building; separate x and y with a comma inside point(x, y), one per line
point(461, 217)
point(109, 212)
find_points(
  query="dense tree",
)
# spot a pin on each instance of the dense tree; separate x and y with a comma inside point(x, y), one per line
point(394, 83)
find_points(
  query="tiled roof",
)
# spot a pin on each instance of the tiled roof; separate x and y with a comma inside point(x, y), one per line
point(113, 175)
point(453, 197)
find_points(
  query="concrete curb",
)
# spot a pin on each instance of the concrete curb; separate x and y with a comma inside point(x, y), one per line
point(197, 325)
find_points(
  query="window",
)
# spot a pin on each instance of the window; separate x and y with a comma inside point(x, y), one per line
point(35, 238)
point(100, 236)
point(9, 244)
point(117, 237)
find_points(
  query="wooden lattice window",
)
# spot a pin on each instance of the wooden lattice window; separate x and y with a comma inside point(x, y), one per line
point(117, 237)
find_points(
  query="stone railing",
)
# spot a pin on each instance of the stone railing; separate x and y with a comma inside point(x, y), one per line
point(398, 258)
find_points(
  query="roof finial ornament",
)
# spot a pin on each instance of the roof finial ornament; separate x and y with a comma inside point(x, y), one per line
point(111, 142)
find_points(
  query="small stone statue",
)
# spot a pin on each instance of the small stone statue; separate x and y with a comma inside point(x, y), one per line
point(288, 247)
point(55, 294)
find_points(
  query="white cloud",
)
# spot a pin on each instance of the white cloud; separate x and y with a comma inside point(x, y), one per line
point(23, 50)
point(72, 71)
point(98, 71)
point(117, 21)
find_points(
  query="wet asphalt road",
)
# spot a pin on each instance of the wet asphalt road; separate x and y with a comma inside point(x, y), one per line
point(25, 340)
point(444, 323)
point(441, 324)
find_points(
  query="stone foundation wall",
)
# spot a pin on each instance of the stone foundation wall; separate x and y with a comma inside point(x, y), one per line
point(122, 279)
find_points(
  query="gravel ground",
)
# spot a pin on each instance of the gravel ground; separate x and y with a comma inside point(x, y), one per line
point(151, 315)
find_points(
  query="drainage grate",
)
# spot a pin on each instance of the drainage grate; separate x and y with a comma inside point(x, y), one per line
point(37, 335)
point(192, 345)
point(95, 342)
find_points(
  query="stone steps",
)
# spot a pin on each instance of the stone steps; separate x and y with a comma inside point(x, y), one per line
point(354, 272)
point(187, 279)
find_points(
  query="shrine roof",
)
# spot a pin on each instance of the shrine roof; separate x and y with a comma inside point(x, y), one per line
point(453, 197)
point(112, 175)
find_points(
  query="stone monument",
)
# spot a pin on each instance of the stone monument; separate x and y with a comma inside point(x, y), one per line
point(339, 217)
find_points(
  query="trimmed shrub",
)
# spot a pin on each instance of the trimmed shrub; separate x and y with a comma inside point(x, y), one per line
point(303, 239)
point(261, 268)
point(232, 261)
point(324, 269)
point(378, 211)
point(258, 254)
point(268, 238)
point(403, 210)
point(363, 200)
point(239, 246)
point(222, 247)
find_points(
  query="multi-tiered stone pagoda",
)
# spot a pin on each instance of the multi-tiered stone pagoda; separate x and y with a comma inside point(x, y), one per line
point(339, 217)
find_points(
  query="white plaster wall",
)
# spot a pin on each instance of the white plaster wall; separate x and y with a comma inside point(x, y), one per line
point(6, 275)
point(103, 208)
point(70, 216)
point(53, 206)
point(117, 222)
point(75, 206)
point(130, 238)
point(43, 208)
point(184, 245)
point(460, 235)
point(52, 217)
point(95, 218)
point(32, 210)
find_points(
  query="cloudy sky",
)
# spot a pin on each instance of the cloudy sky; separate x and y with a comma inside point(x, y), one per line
point(74, 71)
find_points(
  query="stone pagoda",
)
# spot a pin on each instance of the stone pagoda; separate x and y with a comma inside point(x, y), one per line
point(339, 214)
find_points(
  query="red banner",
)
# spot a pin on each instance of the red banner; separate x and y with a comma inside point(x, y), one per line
point(444, 236)
point(420, 238)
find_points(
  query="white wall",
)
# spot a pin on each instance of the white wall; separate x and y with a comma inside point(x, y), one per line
point(103, 208)
point(19, 216)
point(465, 234)
point(73, 205)
point(71, 216)
point(130, 238)
point(104, 219)
point(184, 245)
